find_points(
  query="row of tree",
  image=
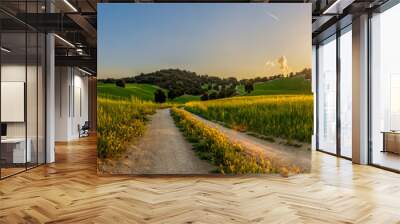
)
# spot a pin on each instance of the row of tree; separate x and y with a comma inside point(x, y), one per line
point(179, 82)
point(305, 72)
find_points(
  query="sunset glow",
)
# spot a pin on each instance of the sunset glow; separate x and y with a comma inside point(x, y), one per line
point(239, 40)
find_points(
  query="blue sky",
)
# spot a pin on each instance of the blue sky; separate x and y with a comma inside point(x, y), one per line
point(243, 40)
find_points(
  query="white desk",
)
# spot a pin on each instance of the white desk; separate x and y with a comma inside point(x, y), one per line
point(18, 144)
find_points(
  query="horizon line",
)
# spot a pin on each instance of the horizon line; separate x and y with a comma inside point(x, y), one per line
point(131, 76)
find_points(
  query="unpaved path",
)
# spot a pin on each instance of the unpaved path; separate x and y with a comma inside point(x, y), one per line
point(161, 150)
point(288, 155)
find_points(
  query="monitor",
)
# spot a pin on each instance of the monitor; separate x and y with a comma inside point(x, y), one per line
point(3, 129)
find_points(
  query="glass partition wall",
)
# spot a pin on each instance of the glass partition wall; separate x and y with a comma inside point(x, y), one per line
point(334, 93)
point(22, 107)
point(385, 89)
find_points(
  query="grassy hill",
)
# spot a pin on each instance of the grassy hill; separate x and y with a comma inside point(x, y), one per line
point(294, 85)
point(186, 98)
point(142, 91)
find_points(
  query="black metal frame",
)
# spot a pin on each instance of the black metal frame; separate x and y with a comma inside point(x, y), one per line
point(316, 98)
point(338, 153)
point(389, 4)
point(369, 90)
point(44, 80)
point(379, 9)
point(0, 89)
point(338, 75)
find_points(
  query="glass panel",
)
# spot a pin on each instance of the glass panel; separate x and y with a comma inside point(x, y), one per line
point(327, 96)
point(31, 98)
point(23, 90)
point(41, 98)
point(385, 84)
point(346, 93)
point(13, 86)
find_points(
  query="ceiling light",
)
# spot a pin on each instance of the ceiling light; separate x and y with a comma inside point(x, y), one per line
point(84, 71)
point(5, 50)
point(70, 5)
point(65, 41)
point(337, 7)
point(331, 7)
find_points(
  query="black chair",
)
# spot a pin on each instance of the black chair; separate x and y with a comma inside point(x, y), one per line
point(84, 130)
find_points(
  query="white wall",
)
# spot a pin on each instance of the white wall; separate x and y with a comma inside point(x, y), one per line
point(62, 83)
point(16, 73)
point(33, 126)
point(71, 102)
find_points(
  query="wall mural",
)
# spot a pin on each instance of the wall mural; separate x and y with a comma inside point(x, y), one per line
point(204, 89)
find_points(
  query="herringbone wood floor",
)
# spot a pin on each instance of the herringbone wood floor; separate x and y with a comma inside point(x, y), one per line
point(70, 191)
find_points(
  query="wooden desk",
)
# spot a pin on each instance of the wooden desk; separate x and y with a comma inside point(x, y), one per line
point(13, 150)
point(391, 141)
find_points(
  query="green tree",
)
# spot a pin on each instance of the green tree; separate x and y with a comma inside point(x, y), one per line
point(172, 94)
point(248, 87)
point(204, 97)
point(120, 83)
point(212, 96)
point(159, 96)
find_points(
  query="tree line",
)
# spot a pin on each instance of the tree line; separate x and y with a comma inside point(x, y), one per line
point(179, 82)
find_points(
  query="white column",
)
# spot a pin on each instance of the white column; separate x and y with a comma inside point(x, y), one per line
point(63, 101)
point(50, 98)
point(360, 90)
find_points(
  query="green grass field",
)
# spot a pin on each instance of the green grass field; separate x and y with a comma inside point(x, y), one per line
point(283, 116)
point(294, 85)
point(141, 91)
point(186, 98)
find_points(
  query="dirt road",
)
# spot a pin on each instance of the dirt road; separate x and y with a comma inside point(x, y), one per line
point(287, 154)
point(161, 150)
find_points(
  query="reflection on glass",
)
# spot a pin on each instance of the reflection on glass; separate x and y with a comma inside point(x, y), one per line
point(22, 92)
point(394, 102)
point(327, 96)
point(346, 94)
point(14, 153)
point(41, 98)
point(385, 92)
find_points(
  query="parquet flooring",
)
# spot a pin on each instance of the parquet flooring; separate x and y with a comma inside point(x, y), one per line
point(70, 191)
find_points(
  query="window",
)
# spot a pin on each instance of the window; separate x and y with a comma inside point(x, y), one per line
point(327, 95)
point(346, 92)
point(385, 89)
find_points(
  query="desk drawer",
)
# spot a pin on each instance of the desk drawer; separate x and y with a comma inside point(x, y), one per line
point(15, 152)
point(392, 143)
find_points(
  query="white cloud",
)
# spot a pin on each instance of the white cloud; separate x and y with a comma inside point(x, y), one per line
point(283, 64)
point(270, 63)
